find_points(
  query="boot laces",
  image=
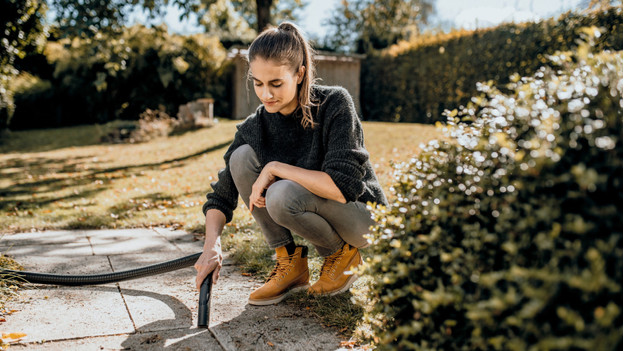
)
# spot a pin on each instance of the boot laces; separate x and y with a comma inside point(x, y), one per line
point(281, 268)
point(329, 266)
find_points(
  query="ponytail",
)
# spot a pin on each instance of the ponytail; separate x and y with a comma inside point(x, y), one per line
point(287, 45)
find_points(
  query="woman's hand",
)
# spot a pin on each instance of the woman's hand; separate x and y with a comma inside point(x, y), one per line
point(209, 261)
point(266, 178)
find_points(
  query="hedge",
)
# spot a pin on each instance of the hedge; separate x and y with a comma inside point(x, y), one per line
point(415, 82)
point(96, 80)
point(508, 236)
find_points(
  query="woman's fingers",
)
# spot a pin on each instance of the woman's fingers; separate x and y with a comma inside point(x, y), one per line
point(215, 275)
point(259, 202)
point(256, 199)
point(206, 265)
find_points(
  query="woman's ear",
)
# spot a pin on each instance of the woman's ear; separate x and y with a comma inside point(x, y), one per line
point(300, 74)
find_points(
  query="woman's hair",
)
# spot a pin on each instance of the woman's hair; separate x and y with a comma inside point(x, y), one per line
point(286, 45)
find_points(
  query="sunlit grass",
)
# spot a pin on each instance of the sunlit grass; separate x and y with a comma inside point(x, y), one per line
point(162, 182)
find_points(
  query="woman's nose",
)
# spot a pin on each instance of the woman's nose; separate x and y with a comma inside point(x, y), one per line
point(266, 94)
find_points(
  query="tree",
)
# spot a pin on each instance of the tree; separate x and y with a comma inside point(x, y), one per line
point(21, 31)
point(362, 26)
point(87, 17)
point(238, 21)
point(261, 13)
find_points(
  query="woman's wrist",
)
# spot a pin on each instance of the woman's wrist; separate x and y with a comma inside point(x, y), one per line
point(276, 169)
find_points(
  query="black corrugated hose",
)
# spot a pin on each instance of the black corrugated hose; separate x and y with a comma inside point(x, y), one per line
point(105, 278)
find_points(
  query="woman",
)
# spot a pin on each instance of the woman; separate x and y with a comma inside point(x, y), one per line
point(300, 166)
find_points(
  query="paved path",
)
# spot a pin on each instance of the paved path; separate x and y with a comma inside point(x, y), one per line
point(152, 313)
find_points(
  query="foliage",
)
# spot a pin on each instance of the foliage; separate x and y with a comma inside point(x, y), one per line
point(362, 26)
point(108, 77)
point(80, 18)
point(224, 21)
point(260, 13)
point(8, 283)
point(21, 31)
point(231, 20)
point(415, 81)
point(510, 237)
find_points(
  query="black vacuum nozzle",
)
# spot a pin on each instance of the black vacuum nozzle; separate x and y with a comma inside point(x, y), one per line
point(203, 317)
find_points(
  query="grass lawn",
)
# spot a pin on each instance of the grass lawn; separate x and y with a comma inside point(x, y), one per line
point(64, 178)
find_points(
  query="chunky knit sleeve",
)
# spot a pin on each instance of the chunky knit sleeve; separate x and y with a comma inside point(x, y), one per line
point(345, 155)
point(224, 195)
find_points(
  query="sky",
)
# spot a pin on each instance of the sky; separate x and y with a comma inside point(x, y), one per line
point(449, 13)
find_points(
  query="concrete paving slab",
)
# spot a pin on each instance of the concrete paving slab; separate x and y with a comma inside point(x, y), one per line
point(152, 313)
point(42, 238)
point(238, 325)
point(114, 242)
point(186, 242)
point(162, 301)
point(57, 313)
point(81, 247)
point(179, 339)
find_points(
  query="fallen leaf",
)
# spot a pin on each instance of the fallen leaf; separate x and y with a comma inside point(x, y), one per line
point(349, 343)
point(246, 274)
point(270, 344)
point(13, 335)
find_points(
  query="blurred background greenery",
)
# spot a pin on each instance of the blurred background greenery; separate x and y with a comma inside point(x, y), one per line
point(88, 64)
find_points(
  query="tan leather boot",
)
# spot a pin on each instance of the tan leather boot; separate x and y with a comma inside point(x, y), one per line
point(290, 274)
point(337, 272)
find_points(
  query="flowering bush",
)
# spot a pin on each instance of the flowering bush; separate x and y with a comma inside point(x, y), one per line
point(509, 237)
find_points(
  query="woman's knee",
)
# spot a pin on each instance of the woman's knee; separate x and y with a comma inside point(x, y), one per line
point(286, 199)
point(242, 158)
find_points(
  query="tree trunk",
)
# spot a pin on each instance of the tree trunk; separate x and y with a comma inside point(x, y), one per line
point(263, 9)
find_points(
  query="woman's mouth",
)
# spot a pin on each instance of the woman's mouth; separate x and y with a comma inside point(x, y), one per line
point(269, 103)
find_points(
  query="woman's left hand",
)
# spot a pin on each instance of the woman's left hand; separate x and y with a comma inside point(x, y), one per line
point(266, 178)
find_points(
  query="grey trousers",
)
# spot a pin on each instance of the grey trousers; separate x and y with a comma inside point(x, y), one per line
point(290, 207)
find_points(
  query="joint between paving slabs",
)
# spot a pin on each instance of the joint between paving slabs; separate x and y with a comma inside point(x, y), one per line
point(166, 238)
point(123, 298)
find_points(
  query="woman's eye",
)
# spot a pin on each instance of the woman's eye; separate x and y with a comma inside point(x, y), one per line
point(258, 84)
point(277, 85)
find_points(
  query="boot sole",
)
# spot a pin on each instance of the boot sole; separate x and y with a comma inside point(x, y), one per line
point(345, 287)
point(279, 298)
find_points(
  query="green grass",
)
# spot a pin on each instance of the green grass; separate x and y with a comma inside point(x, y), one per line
point(64, 178)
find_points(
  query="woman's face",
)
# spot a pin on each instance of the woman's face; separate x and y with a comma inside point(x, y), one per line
point(276, 85)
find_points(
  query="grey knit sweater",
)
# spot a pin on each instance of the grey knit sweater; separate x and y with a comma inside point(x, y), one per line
point(335, 146)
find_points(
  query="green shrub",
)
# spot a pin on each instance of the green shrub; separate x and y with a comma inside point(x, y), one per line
point(21, 32)
point(110, 77)
point(416, 81)
point(509, 237)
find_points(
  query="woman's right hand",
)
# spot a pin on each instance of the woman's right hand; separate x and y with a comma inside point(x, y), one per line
point(209, 261)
